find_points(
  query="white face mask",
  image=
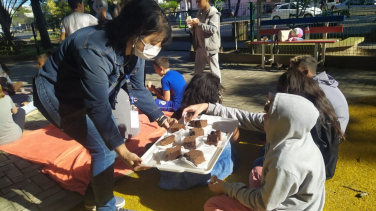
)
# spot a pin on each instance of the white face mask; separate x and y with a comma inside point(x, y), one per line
point(150, 51)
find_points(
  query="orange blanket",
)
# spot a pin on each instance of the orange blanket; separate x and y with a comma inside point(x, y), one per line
point(68, 162)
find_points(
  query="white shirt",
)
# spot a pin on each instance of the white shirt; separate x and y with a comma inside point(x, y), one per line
point(9, 130)
point(76, 21)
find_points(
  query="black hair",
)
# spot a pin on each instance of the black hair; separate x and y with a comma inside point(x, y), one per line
point(203, 88)
point(137, 19)
point(73, 3)
point(162, 62)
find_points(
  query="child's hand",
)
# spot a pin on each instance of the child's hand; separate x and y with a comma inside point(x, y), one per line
point(216, 185)
point(149, 85)
point(150, 88)
point(196, 109)
point(194, 22)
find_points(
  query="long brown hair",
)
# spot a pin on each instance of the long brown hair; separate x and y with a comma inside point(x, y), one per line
point(295, 82)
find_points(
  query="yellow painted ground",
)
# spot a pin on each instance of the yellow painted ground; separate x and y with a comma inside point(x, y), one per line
point(356, 169)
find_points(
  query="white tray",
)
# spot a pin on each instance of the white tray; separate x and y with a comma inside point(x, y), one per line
point(153, 157)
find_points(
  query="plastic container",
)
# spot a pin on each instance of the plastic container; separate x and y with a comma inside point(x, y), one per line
point(154, 157)
point(189, 20)
point(307, 33)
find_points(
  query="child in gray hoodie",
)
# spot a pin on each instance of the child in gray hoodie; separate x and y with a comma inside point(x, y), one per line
point(293, 174)
point(308, 65)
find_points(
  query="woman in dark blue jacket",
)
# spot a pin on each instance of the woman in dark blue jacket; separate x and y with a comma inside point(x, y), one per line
point(76, 89)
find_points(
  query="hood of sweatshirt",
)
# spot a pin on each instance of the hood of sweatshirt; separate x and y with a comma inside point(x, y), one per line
point(326, 79)
point(290, 119)
point(213, 10)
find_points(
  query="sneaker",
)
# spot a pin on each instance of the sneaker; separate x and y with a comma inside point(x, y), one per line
point(120, 202)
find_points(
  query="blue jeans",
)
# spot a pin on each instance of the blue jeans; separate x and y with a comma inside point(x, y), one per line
point(165, 105)
point(100, 188)
point(260, 161)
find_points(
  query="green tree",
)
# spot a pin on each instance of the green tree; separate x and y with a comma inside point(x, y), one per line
point(20, 16)
point(8, 9)
point(55, 11)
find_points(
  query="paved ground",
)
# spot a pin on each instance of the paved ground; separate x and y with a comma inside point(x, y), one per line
point(24, 187)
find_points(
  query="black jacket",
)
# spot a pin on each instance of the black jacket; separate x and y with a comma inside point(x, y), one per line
point(328, 144)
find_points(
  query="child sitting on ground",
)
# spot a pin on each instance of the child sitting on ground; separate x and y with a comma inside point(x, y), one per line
point(289, 179)
point(173, 85)
point(203, 88)
point(8, 85)
point(12, 120)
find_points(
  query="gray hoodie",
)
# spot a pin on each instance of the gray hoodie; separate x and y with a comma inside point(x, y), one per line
point(293, 175)
point(206, 35)
point(330, 87)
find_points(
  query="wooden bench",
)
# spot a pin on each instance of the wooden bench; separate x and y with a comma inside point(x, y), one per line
point(313, 30)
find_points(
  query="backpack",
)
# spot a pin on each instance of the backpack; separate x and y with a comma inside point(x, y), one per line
point(328, 144)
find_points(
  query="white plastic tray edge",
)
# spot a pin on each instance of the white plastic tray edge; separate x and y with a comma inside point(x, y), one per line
point(148, 156)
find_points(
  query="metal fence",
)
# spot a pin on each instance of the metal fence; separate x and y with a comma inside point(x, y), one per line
point(358, 37)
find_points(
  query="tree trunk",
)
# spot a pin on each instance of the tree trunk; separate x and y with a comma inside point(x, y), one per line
point(41, 24)
point(229, 4)
point(237, 9)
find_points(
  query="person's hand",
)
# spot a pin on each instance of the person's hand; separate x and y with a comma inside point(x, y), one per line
point(196, 109)
point(216, 185)
point(194, 22)
point(168, 122)
point(130, 159)
point(150, 87)
point(172, 121)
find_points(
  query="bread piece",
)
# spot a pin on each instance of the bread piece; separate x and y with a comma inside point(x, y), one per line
point(196, 132)
point(214, 137)
point(168, 140)
point(173, 153)
point(189, 142)
point(199, 123)
point(176, 127)
point(195, 156)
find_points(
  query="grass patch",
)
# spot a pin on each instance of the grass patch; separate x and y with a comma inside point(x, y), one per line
point(30, 50)
point(53, 37)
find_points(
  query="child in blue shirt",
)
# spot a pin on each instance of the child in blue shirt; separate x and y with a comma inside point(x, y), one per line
point(173, 85)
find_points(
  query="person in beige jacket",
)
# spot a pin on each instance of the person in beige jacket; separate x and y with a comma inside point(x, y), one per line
point(206, 37)
point(293, 174)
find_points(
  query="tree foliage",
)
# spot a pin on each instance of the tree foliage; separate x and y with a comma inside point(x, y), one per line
point(55, 11)
point(8, 9)
point(21, 17)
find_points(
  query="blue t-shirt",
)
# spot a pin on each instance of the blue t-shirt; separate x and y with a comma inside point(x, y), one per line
point(175, 83)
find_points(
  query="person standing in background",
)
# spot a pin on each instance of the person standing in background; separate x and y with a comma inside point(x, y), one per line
point(77, 20)
point(206, 37)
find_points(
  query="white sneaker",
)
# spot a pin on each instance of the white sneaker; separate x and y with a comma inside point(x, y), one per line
point(120, 202)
